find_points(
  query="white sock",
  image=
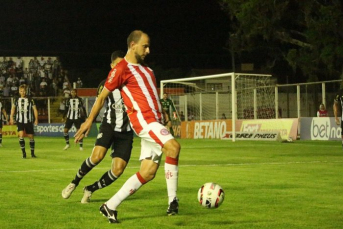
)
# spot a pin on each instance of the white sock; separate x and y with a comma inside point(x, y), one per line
point(128, 189)
point(171, 174)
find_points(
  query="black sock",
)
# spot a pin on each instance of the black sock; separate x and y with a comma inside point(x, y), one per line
point(86, 166)
point(81, 143)
point(66, 138)
point(32, 146)
point(22, 144)
point(0, 138)
point(106, 179)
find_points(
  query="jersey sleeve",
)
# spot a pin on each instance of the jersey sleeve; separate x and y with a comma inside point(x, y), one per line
point(115, 77)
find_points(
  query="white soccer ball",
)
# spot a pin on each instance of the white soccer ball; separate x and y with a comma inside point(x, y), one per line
point(211, 195)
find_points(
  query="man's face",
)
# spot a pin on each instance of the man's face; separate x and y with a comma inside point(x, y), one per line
point(22, 92)
point(73, 93)
point(165, 96)
point(116, 61)
point(142, 48)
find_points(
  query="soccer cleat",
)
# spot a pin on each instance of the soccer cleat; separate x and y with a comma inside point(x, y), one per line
point(66, 193)
point(86, 196)
point(173, 208)
point(66, 147)
point(81, 149)
point(33, 155)
point(24, 155)
point(110, 214)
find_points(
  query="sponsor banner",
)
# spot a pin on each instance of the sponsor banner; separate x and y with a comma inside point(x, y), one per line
point(9, 131)
point(321, 128)
point(272, 136)
point(56, 130)
point(287, 127)
point(205, 129)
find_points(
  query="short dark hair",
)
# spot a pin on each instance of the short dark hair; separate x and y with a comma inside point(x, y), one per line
point(117, 54)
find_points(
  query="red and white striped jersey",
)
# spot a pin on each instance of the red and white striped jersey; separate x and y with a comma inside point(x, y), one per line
point(137, 85)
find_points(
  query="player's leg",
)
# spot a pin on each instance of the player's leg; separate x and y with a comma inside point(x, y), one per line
point(67, 126)
point(77, 124)
point(121, 153)
point(87, 165)
point(20, 127)
point(30, 134)
point(342, 130)
point(1, 134)
point(103, 142)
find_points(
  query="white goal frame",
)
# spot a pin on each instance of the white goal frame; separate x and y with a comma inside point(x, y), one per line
point(234, 76)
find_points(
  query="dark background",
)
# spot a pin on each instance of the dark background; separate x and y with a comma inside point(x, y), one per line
point(184, 34)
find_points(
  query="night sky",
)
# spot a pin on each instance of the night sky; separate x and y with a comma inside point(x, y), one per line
point(183, 33)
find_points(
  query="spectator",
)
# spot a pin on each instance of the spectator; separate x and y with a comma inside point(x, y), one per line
point(42, 62)
point(14, 90)
point(7, 90)
point(322, 112)
point(2, 79)
point(79, 83)
point(19, 63)
point(182, 116)
point(223, 116)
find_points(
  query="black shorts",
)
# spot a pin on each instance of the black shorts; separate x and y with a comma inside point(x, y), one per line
point(121, 142)
point(27, 127)
point(69, 123)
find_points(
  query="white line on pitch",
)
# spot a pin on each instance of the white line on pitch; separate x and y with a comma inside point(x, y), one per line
point(209, 165)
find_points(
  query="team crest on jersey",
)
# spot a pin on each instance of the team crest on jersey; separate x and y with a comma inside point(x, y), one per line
point(99, 136)
point(113, 74)
point(164, 131)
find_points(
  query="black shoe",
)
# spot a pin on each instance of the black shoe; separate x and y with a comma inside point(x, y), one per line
point(110, 214)
point(24, 155)
point(33, 156)
point(173, 208)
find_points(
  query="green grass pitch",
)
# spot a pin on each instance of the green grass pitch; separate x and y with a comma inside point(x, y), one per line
point(266, 184)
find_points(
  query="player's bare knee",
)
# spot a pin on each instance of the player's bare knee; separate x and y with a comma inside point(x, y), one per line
point(172, 148)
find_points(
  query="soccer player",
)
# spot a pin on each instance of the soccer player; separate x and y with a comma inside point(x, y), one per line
point(337, 105)
point(74, 115)
point(137, 84)
point(167, 106)
point(2, 113)
point(26, 114)
point(115, 129)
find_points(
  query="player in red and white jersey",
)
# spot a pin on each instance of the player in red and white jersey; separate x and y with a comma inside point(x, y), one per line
point(138, 88)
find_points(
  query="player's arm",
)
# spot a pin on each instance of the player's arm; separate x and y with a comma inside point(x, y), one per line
point(65, 110)
point(335, 111)
point(35, 113)
point(85, 127)
point(5, 114)
point(12, 113)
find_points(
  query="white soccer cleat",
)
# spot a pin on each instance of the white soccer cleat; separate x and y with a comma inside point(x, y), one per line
point(81, 149)
point(66, 193)
point(66, 147)
point(86, 196)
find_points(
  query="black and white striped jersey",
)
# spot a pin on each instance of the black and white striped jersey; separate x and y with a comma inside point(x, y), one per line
point(1, 107)
point(115, 113)
point(74, 108)
point(24, 110)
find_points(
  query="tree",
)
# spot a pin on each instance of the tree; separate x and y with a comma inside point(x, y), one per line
point(307, 34)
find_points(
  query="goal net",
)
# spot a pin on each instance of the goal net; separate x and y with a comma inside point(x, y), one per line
point(230, 95)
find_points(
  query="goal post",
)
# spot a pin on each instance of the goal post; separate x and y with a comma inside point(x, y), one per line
point(233, 95)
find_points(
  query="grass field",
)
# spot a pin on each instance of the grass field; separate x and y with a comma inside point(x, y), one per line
point(266, 184)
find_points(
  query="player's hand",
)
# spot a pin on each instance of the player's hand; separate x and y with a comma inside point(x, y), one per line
point(337, 121)
point(83, 131)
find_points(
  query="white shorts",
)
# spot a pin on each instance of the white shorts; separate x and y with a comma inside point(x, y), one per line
point(152, 140)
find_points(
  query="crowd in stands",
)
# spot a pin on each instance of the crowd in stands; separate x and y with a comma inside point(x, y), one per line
point(44, 76)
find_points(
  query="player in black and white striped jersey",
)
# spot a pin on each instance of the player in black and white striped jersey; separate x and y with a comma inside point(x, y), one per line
point(25, 111)
point(115, 131)
point(74, 114)
point(2, 114)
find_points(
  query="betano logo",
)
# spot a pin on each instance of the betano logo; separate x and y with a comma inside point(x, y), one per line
point(209, 129)
point(321, 129)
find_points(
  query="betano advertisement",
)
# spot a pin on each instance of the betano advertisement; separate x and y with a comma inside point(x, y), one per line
point(322, 128)
point(218, 128)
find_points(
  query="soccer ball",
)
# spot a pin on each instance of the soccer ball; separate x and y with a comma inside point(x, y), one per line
point(211, 195)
